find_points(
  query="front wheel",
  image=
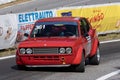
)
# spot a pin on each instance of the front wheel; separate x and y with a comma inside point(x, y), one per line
point(81, 66)
point(21, 67)
point(95, 60)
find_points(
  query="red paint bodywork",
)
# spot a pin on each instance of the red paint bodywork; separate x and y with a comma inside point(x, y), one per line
point(78, 45)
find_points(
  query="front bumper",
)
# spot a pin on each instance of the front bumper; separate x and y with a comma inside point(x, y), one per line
point(44, 59)
point(49, 59)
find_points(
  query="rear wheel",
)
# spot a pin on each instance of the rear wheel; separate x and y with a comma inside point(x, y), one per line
point(81, 66)
point(95, 60)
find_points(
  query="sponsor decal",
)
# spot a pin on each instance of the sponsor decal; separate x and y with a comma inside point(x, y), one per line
point(32, 16)
point(66, 13)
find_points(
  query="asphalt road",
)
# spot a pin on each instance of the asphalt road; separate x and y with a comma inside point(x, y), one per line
point(110, 62)
point(50, 4)
point(110, 52)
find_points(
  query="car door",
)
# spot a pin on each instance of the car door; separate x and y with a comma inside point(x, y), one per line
point(87, 37)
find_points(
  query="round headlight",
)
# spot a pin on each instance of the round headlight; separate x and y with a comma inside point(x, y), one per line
point(22, 50)
point(29, 51)
point(68, 50)
point(62, 50)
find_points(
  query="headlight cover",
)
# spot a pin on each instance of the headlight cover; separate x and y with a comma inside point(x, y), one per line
point(22, 50)
point(62, 50)
point(68, 50)
point(29, 51)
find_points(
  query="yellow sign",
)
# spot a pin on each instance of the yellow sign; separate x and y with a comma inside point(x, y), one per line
point(104, 18)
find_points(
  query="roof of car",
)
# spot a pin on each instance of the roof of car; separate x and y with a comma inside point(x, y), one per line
point(60, 19)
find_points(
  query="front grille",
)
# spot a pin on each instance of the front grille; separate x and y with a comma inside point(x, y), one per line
point(45, 51)
point(46, 57)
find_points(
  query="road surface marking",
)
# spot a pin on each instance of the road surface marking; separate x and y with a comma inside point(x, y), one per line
point(7, 57)
point(110, 41)
point(109, 75)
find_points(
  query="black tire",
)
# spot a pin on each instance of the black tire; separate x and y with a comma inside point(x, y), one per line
point(95, 60)
point(21, 67)
point(80, 67)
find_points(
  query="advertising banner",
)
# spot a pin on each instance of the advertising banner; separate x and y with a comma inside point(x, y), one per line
point(26, 21)
point(105, 18)
point(8, 31)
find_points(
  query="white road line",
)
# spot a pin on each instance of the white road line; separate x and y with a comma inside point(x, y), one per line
point(109, 75)
point(7, 57)
point(110, 41)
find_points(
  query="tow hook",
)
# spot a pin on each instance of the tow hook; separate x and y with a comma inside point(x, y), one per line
point(63, 60)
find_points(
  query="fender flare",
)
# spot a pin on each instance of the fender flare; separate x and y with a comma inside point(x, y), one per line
point(78, 56)
point(95, 45)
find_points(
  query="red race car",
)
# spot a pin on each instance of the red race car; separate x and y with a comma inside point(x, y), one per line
point(64, 41)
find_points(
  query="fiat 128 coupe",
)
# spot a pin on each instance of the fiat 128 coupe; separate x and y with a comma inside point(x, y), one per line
point(63, 41)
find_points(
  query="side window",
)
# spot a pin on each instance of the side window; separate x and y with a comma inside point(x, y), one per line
point(87, 25)
point(84, 26)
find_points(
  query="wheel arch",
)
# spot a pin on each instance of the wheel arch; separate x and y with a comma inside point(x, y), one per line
point(95, 45)
point(79, 54)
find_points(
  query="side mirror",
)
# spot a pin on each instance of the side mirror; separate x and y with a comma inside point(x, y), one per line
point(26, 34)
point(86, 35)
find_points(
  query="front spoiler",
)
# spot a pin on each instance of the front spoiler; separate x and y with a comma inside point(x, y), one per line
point(47, 65)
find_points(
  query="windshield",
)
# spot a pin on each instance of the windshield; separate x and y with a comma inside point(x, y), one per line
point(55, 29)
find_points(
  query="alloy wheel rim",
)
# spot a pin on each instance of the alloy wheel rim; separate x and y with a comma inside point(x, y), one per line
point(98, 54)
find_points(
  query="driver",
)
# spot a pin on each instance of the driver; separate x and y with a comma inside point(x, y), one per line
point(58, 30)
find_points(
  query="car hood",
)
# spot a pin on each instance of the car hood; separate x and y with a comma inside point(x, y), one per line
point(49, 42)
